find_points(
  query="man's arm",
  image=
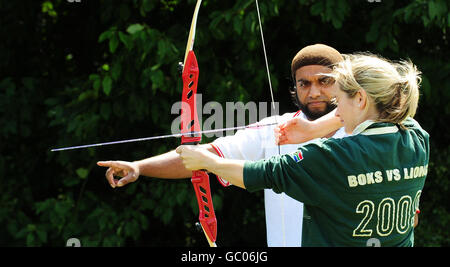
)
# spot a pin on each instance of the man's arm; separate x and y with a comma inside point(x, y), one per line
point(167, 166)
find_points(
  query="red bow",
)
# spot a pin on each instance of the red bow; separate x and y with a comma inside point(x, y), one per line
point(190, 124)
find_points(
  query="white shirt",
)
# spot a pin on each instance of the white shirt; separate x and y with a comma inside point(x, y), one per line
point(284, 215)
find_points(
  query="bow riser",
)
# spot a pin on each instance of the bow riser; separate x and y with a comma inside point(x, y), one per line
point(190, 123)
point(189, 116)
point(207, 217)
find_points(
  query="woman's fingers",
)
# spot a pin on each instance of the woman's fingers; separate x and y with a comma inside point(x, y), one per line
point(192, 156)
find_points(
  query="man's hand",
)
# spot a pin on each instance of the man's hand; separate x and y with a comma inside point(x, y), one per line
point(294, 131)
point(129, 171)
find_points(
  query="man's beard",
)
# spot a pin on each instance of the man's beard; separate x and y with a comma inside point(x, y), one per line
point(315, 115)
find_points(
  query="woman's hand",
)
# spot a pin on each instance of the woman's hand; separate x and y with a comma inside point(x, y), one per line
point(194, 157)
point(198, 158)
point(129, 171)
point(294, 131)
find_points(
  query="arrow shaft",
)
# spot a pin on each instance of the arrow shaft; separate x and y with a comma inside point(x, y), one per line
point(252, 126)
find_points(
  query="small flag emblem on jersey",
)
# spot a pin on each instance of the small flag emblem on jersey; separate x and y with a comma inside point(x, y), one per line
point(298, 156)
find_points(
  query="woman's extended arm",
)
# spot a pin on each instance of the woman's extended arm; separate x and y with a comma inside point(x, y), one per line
point(299, 130)
point(198, 158)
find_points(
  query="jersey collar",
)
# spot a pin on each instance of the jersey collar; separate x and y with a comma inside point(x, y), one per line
point(380, 128)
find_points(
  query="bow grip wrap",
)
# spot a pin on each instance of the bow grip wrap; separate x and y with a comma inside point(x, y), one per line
point(190, 123)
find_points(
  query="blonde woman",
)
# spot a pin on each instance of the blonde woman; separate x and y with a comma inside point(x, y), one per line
point(359, 190)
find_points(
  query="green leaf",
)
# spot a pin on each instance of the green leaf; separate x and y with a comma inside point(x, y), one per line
point(47, 7)
point(28, 82)
point(214, 27)
point(96, 84)
point(82, 173)
point(113, 44)
point(337, 23)
point(134, 28)
point(157, 78)
point(147, 5)
point(317, 8)
point(115, 71)
point(155, 67)
point(238, 24)
point(105, 35)
point(372, 34)
point(30, 239)
point(69, 181)
point(107, 85)
point(433, 10)
point(94, 77)
point(96, 81)
point(167, 216)
point(162, 49)
point(126, 40)
point(84, 95)
point(437, 9)
point(42, 236)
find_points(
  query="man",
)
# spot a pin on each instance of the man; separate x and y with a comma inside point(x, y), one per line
point(312, 93)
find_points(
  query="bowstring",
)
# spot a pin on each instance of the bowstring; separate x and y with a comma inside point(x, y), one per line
point(273, 107)
point(267, 64)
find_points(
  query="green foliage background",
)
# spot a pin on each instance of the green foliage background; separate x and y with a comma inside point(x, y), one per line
point(75, 73)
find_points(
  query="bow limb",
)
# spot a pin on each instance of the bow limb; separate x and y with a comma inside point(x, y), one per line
point(191, 38)
point(190, 124)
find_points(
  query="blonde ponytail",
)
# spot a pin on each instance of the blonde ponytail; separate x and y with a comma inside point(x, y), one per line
point(393, 87)
point(409, 87)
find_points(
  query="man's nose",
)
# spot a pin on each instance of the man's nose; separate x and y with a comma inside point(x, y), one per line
point(315, 91)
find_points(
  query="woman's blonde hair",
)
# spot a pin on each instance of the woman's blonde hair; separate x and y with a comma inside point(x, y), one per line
point(392, 86)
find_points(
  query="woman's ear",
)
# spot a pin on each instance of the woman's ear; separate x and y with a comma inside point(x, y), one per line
point(361, 99)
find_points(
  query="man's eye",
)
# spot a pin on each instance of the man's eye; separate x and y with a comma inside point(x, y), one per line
point(302, 84)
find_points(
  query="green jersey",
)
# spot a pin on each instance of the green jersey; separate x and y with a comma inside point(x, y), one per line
point(359, 190)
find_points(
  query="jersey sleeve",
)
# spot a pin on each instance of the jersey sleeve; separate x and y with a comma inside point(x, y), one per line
point(303, 175)
point(248, 144)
